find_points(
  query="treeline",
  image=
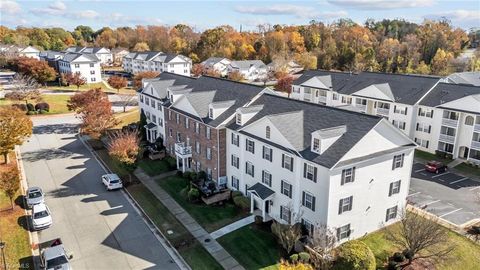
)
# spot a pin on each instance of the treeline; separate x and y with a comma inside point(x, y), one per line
point(386, 46)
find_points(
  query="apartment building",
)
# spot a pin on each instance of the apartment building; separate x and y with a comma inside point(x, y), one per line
point(136, 62)
point(396, 97)
point(309, 163)
point(252, 70)
point(103, 54)
point(87, 65)
point(19, 51)
point(217, 64)
point(195, 113)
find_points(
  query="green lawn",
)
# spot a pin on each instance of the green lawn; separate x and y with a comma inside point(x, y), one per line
point(210, 217)
point(253, 248)
point(58, 103)
point(156, 167)
point(429, 156)
point(114, 166)
point(193, 253)
point(468, 170)
point(128, 117)
point(465, 255)
point(87, 87)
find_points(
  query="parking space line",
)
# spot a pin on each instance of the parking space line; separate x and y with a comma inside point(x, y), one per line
point(472, 189)
point(438, 175)
point(460, 180)
point(451, 212)
point(420, 170)
point(431, 202)
point(413, 194)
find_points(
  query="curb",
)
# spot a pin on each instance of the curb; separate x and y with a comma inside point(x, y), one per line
point(150, 224)
point(33, 236)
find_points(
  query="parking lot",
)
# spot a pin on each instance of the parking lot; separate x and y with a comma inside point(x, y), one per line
point(449, 196)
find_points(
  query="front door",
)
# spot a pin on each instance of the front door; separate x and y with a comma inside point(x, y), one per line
point(465, 152)
point(267, 206)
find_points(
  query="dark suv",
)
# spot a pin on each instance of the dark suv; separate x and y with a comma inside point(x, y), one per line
point(435, 167)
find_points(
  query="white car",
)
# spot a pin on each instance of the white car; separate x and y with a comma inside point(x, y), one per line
point(34, 196)
point(112, 181)
point(41, 217)
point(55, 257)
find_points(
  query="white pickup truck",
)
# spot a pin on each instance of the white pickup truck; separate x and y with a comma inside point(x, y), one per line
point(55, 257)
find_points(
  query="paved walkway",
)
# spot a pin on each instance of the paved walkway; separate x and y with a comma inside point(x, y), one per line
point(232, 227)
point(455, 162)
point(211, 245)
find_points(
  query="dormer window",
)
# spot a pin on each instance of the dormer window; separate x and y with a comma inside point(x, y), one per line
point(239, 119)
point(210, 113)
point(267, 132)
point(316, 144)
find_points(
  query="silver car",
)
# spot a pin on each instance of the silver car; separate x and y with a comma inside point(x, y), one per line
point(34, 196)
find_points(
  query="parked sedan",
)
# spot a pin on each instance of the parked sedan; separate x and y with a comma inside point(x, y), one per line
point(435, 167)
point(34, 196)
point(112, 181)
point(41, 217)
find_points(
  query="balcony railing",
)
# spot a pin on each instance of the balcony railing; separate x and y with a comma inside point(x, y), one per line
point(449, 122)
point(322, 99)
point(447, 138)
point(383, 111)
point(476, 145)
point(362, 107)
point(476, 128)
point(182, 150)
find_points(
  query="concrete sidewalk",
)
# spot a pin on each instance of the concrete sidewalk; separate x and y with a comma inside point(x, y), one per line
point(210, 244)
point(232, 227)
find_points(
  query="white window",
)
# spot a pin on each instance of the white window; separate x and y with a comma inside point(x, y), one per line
point(267, 153)
point(187, 122)
point(308, 200)
point(93, 79)
point(235, 161)
point(335, 96)
point(285, 213)
point(400, 110)
point(209, 173)
point(179, 137)
point(235, 139)
point(267, 132)
point(238, 119)
point(169, 115)
point(399, 124)
point(210, 113)
point(343, 232)
point(394, 188)
point(348, 175)
point(309, 226)
point(159, 106)
point(77, 65)
point(147, 101)
point(197, 127)
point(422, 142)
point(310, 172)
point(286, 189)
point(249, 169)
point(425, 112)
point(346, 100)
point(178, 118)
point(250, 146)
point(398, 161)
point(91, 65)
point(209, 153)
point(92, 72)
point(235, 182)
point(197, 147)
point(345, 204)
point(287, 162)
point(316, 144)
point(391, 213)
point(207, 132)
point(267, 178)
point(424, 127)
point(154, 118)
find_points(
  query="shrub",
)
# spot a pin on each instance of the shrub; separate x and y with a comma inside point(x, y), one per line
point(408, 254)
point(392, 265)
point(193, 194)
point(42, 106)
point(186, 175)
point(31, 112)
point(20, 106)
point(202, 175)
point(30, 107)
point(294, 258)
point(258, 220)
point(236, 193)
point(304, 257)
point(242, 202)
point(193, 176)
point(43, 111)
point(179, 173)
point(354, 255)
point(398, 257)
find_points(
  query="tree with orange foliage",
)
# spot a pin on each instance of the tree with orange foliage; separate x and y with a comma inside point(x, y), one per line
point(284, 84)
point(197, 69)
point(38, 69)
point(123, 147)
point(75, 79)
point(236, 76)
point(137, 79)
point(117, 82)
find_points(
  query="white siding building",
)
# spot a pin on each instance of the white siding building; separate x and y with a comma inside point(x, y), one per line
point(411, 103)
point(218, 64)
point(103, 54)
point(87, 65)
point(298, 167)
point(136, 62)
point(16, 51)
point(252, 70)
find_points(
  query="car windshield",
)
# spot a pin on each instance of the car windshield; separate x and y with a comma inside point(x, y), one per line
point(56, 262)
point(35, 194)
point(40, 214)
point(116, 181)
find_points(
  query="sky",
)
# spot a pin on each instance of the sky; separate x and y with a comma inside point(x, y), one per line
point(246, 14)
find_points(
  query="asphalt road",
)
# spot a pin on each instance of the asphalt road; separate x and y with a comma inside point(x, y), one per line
point(450, 196)
point(102, 229)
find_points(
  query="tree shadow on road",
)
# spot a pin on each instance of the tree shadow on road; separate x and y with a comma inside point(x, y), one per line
point(24, 222)
point(46, 154)
point(56, 129)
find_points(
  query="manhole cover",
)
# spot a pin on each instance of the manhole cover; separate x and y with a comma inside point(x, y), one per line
point(207, 240)
point(169, 231)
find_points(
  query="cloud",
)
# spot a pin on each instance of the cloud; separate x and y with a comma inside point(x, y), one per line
point(58, 5)
point(302, 12)
point(9, 7)
point(83, 14)
point(459, 15)
point(381, 4)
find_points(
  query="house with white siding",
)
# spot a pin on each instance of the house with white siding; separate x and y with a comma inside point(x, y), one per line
point(217, 64)
point(87, 65)
point(19, 51)
point(103, 54)
point(135, 62)
point(252, 70)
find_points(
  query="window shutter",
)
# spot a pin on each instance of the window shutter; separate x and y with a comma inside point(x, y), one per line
point(290, 191)
point(253, 147)
point(315, 174)
point(419, 111)
point(232, 160)
point(427, 144)
point(395, 108)
point(351, 203)
point(246, 167)
point(313, 203)
point(406, 110)
point(303, 197)
point(283, 160)
point(353, 174)
point(263, 152)
point(386, 215)
point(340, 206)
point(338, 233)
point(343, 177)
point(271, 154)
point(393, 163)
point(431, 114)
point(253, 170)
point(246, 144)
point(263, 175)
point(399, 185)
point(417, 127)
point(291, 164)
point(281, 211)
point(390, 190)
point(403, 157)
point(304, 170)
point(429, 129)
point(281, 187)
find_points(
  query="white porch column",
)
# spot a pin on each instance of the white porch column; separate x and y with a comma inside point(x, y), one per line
point(178, 163)
point(263, 210)
point(183, 164)
point(252, 204)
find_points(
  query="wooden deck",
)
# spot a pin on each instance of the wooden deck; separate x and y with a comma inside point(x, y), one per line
point(218, 197)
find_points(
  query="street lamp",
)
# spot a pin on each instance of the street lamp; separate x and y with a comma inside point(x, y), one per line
point(2, 247)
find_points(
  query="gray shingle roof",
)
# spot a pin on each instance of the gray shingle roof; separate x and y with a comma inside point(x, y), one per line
point(406, 89)
point(465, 78)
point(261, 190)
point(315, 117)
point(212, 60)
point(70, 57)
point(245, 64)
point(446, 92)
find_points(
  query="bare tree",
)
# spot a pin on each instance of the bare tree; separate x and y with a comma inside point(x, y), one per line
point(288, 234)
point(321, 245)
point(126, 100)
point(24, 88)
point(420, 237)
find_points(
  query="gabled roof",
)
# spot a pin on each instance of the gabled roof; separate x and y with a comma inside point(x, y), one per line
point(299, 119)
point(156, 56)
point(79, 49)
point(246, 64)
point(460, 96)
point(261, 191)
point(465, 78)
point(214, 60)
point(71, 57)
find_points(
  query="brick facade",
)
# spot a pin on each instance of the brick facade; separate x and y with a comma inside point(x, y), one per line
point(189, 135)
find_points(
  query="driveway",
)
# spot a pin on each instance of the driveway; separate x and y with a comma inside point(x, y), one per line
point(449, 196)
point(102, 229)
